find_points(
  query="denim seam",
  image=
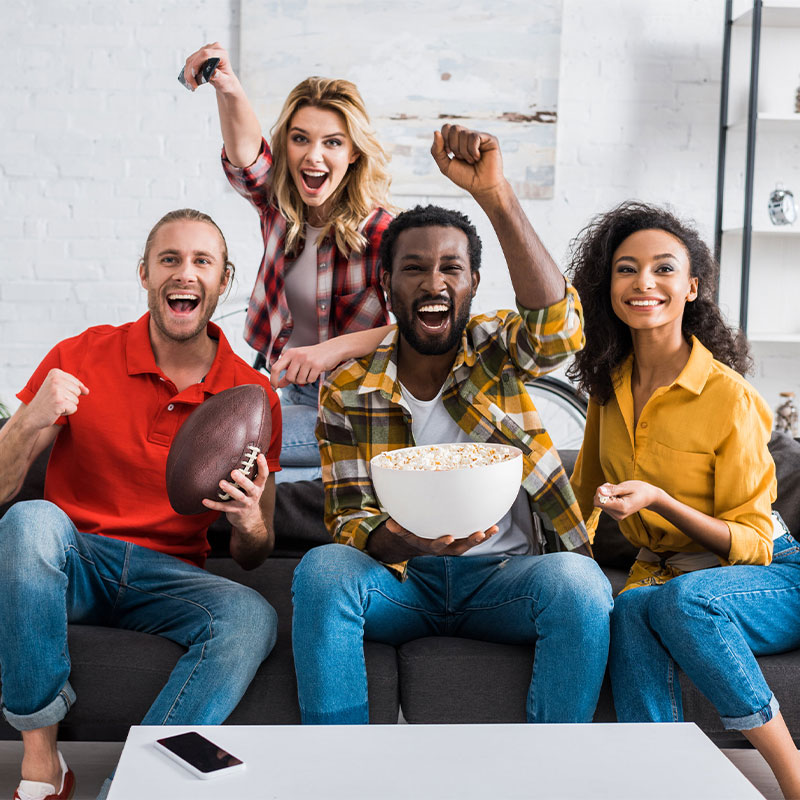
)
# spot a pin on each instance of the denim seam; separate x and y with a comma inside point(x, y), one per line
point(511, 600)
point(713, 617)
point(104, 578)
point(773, 590)
point(395, 602)
point(79, 554)
point(65, 647)
point(171, 597)
point(65, 695)
point(67, 701)
point(179, 695)
point(529, 698)
point(123, 577)
point(447, 576)
point(673, 700)
point(754, 720)
point(203, 649)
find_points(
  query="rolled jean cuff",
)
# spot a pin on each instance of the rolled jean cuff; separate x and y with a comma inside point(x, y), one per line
point(756, 720)
point(52, 713)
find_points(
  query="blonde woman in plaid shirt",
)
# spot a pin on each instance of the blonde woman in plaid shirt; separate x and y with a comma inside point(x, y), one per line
point(321, 192)
point(443, 376)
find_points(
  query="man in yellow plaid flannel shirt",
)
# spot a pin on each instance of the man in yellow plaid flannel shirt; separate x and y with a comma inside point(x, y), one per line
point(439, 376)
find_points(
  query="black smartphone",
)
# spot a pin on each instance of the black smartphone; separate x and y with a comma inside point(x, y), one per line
point(204, 76)
point(200, 756)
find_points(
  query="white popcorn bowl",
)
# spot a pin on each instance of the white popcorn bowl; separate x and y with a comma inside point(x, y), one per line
point(454, 502)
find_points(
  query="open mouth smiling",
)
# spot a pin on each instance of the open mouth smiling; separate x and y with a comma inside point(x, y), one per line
point(313, 179)
point(434, 316)
point(182, 302)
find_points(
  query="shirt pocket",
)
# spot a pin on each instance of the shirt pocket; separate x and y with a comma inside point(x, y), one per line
point(357, 311)
point(687, 476)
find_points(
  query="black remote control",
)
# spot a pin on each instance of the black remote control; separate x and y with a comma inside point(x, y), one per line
point(204, 76)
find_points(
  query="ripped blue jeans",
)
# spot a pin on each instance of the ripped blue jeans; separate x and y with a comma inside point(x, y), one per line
point(559, 602)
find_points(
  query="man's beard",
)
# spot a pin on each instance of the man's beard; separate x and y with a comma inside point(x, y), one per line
point(432, 345)
point(154, 308)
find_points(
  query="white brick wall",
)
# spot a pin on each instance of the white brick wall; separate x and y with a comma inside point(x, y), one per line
point(98, 140)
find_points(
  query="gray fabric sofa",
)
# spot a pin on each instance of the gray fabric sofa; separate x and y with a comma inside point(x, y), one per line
point(116, 674)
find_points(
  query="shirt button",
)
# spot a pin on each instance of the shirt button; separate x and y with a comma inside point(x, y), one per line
point(323, 305)
point(161, 379)
point(171, 407)
point(323, 265)
point(643, 425)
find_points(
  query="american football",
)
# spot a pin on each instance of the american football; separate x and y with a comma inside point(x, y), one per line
point(224, 433)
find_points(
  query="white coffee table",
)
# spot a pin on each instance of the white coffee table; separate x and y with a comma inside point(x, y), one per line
point(439, 762)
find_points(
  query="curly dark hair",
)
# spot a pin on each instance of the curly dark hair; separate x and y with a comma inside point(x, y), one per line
point(426, 217)
point(608, 339)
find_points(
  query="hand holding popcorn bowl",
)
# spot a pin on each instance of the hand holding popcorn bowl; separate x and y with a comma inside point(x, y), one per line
point(447, 489)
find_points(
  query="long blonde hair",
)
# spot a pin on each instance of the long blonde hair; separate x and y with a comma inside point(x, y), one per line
point(364, 186)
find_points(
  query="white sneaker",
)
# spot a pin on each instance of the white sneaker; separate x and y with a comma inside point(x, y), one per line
point(36, 790)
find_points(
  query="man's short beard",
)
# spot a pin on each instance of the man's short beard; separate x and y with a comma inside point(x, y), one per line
point(431, 346)
point(158, 320)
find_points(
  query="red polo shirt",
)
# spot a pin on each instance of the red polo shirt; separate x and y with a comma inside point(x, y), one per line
point(108, 464)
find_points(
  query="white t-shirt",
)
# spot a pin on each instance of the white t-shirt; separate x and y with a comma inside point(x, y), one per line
point(432, 424)
point(301, 292)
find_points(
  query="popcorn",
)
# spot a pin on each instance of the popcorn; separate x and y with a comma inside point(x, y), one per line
point(438, 457)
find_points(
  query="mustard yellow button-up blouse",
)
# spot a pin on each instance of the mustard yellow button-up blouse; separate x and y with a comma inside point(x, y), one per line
point(703, 439)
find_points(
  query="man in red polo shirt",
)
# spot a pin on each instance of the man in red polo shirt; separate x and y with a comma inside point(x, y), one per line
point(105, 547)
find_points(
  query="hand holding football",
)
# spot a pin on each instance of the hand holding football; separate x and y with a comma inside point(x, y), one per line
point(224, 433)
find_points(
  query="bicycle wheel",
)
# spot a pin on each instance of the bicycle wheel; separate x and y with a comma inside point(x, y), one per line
point(562, 409)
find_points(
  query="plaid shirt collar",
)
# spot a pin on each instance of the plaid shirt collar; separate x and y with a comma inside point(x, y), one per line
point(382, 371)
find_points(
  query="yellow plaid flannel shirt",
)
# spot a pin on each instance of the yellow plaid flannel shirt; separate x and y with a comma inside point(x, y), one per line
point(362, 413)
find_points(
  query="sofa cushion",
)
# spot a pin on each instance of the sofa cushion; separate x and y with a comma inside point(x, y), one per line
point(454, 680)
point(786, 454)
point(447, 679)
point(299, 521)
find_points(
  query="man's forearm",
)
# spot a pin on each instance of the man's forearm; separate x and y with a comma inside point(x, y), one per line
point(18, 441)
point(536, 279)
point(250, 549)
point(241, 130)
point(384, 546)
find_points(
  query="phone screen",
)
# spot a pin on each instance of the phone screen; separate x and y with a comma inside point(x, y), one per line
point(199, 752)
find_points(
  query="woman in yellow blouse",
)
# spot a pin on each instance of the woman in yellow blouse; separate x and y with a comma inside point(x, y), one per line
point(675, 449)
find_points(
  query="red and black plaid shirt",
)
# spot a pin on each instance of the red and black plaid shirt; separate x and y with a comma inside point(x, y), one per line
point(349, 294)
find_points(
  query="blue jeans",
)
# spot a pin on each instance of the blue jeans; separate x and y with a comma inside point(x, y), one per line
point(299, 451)
point(561, 602)
point(51, 575)
point(712, 624)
